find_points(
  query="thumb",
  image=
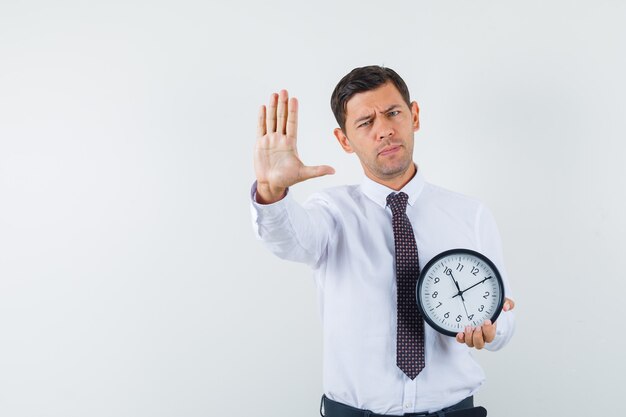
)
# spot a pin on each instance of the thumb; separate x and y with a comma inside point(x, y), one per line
point(315, 171)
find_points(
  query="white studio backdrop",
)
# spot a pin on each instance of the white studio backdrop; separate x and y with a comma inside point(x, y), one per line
point(131, 283)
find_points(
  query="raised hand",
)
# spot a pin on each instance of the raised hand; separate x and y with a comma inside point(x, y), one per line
point(276, 162)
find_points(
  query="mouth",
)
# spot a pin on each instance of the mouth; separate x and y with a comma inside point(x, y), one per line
point(389, 150)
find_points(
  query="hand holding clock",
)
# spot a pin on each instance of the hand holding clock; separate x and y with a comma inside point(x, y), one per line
point(477, 337)
point(468, 314)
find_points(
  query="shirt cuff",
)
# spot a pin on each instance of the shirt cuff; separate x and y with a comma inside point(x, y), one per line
point(505, 327)
point(266, 211)
point(253, 197)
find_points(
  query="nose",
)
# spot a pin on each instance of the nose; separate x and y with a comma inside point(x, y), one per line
point(385, 130)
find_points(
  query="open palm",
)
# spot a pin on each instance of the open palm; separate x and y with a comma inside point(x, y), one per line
point(276, 162)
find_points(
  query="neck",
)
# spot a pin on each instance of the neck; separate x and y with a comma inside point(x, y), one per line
point(399, 181)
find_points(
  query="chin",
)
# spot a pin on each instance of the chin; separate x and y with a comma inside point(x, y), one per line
point(394, 170)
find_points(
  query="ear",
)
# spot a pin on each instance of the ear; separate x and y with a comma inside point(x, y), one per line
point(343, 140)
point(415, 115)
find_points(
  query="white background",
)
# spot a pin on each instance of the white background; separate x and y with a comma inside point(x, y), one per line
point(130, 280)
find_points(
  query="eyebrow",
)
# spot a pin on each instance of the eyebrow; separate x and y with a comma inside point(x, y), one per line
point(393, 106)
point(363, 118)
point(369, 116)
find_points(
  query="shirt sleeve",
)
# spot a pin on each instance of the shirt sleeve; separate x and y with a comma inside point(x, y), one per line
point(490, 243)
point(292, 231)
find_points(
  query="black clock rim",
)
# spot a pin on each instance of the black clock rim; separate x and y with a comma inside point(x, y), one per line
point(444, 254)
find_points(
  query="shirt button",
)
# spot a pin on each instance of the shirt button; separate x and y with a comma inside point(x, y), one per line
point(408, 405)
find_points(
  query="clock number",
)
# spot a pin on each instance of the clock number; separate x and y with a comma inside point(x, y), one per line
point(481, 308)
point(447, 271)
point(458, 318)
point(439, 305)
point(471, 316)
point(435, 294)
point(474, 271)
point(486, 295)
point(447, 315)
point(459, 267)
point(436, 280)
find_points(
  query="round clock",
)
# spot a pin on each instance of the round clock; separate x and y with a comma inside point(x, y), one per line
point(459, 288)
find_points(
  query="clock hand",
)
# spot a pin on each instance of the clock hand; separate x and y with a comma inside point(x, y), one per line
point(466, 313)
point(469, 288)
point(459, 293)
point(457, 285)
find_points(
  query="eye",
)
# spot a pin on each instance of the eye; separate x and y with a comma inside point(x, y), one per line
point(393, 113)
point(366, 123)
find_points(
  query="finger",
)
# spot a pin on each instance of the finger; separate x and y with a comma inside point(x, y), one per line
point(478, 340)
point(315, 171)
point(271, 114)
point(260, 128)
point(489, 331)
point(460, 337)
point(292, 118)
point(281, 112)
point(469, 340)
point(508, 304)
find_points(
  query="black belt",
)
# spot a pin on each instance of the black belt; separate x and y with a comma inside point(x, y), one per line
point(463, 409)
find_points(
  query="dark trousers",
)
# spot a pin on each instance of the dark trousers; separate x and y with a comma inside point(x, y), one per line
point(465, 408)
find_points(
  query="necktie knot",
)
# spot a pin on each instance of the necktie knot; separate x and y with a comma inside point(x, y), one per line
point(397, 202)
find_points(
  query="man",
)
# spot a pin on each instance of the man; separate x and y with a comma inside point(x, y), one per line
point(345, 234)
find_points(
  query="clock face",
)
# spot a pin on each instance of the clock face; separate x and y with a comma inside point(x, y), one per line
point(459, 288)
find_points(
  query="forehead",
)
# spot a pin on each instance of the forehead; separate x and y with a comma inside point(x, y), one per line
point(375, 100)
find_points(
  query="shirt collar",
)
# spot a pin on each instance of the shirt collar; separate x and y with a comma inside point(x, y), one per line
point(378, 193)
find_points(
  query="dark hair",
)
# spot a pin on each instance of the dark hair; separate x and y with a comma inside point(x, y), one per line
point(363, 79)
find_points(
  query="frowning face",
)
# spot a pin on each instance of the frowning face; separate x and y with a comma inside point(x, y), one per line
point(379, 129)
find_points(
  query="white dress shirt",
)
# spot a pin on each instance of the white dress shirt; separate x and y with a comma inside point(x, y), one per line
point(345, 235)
